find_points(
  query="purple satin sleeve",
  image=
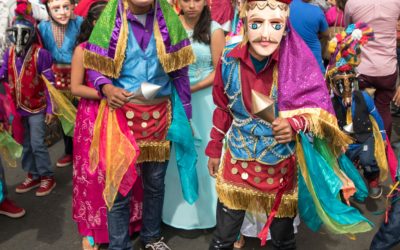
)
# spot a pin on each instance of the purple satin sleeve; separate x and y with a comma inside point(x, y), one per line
point(97, 79)
point(182, 85)
point(44, 65)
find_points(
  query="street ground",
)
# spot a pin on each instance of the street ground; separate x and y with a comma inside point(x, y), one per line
point(48, 223)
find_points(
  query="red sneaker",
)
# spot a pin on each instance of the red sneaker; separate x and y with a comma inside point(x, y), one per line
point(375, 190)
point(47, 184)
point(8, 208)
point(28, 184)
point(64, 161)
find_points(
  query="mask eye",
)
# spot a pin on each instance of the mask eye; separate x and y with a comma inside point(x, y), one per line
point(255, 25)
point(25, 35)
point(277, 26)
point(340, 86)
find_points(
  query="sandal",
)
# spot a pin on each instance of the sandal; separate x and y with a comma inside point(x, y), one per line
point(88, 244)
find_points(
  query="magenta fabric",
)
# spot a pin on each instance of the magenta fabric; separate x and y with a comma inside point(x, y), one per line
point(392, 160)
point(300, 82)
point(331, 14)
point(88, 207)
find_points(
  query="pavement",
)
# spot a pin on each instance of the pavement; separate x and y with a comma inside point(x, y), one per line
point(48, 223)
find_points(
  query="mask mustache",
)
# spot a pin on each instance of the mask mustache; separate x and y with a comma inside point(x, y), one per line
point(260, 39)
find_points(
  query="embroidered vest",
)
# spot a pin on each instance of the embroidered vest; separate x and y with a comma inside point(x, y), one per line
point(27, 88)
point(142, 66)
point(249, 138)
point(63, 54)
point(361, 123)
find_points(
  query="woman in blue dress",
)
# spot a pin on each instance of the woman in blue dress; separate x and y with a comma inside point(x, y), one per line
point(208, 42)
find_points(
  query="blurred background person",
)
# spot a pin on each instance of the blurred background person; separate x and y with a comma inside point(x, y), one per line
point(378, 67)
point(208, 41)
point(310, 23)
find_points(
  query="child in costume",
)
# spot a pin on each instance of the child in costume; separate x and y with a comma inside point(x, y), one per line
point(89, 210)
point(25, 67)
point(355, 109)
point(59, 37)
point(271, 99)
point(141, 52)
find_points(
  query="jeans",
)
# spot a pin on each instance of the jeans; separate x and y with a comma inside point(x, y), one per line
point(35, 156)
point(153, 175)
point(365, 153)
point(118, 223)
point(388, 235)
point(230, 221)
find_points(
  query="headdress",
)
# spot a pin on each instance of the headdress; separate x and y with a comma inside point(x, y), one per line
point(24, 27)
point(106, 47)
point(346, 47)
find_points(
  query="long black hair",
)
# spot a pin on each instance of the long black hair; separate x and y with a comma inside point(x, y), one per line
point(87, 25)
point(202, 30)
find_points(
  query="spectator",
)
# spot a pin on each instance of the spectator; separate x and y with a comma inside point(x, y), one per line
point(309, 21)
point(378, 67)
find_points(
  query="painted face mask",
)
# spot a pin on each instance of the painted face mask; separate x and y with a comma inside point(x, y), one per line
point(60, 10)
point(21, 35)
point(343, 84)
point(266, 23)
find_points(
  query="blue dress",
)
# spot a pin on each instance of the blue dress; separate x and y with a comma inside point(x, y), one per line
point(176, 211)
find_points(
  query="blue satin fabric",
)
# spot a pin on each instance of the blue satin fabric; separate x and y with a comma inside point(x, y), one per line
point(142, 66)
point(248, 131)
point(180, 134)
point(326, 186)
point(1, 191)
point(63, 54)
point(348, 168)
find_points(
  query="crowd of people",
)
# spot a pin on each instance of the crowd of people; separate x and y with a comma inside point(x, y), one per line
point(248, 116)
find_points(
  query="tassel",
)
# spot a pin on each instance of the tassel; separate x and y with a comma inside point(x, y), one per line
point(264, 232)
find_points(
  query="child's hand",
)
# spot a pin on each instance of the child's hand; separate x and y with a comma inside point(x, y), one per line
point(49, 118)
point(116, 97)
point(282, 130)
point(396, 98)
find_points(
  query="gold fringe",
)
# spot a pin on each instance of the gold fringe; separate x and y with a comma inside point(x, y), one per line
point(323, 125)
point(380, 152)
point(107, 66)
point(240, 198)
point(172, 61)
point(154, 151)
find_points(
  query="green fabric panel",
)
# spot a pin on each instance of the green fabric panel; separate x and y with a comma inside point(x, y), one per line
point(104, 27)
point(174, 25)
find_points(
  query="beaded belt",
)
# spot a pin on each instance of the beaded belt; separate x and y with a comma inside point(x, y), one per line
point(149, 124)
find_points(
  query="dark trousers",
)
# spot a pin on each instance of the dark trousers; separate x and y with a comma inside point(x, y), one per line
point(230, 221)
point(388, 235)
point(153, 176)
point(385, 89)
point(68, 144)
point(365, 154)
